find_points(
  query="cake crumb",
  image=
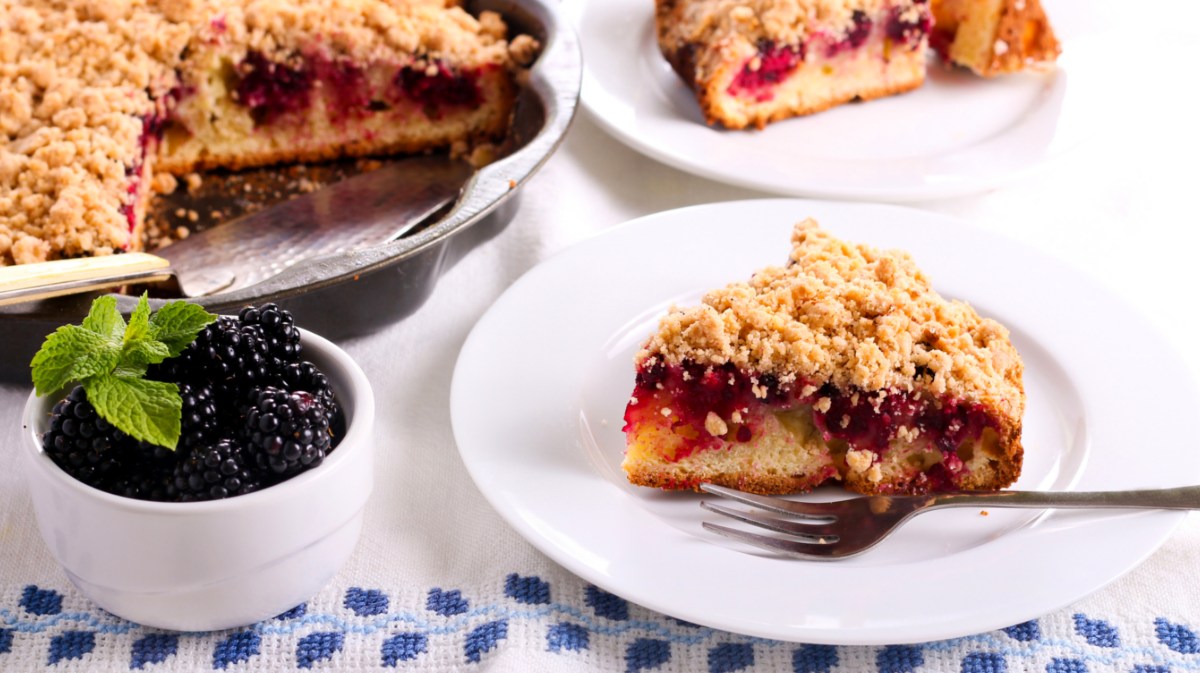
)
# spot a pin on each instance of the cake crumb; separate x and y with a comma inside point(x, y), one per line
point(859, 460)
point(182, 233)
point(1000, 48)
point(194, 182)
point(523, 50)
point(164, 183)
point(666, 411)
point(874, 475)
point(715, 426)
point(983, 512)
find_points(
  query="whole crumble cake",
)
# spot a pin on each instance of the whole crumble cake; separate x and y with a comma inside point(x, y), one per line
point(96, 95)
point(753, 62)
point(844, 365)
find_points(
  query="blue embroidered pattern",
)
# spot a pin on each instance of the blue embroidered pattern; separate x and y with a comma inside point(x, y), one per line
point(585, 622)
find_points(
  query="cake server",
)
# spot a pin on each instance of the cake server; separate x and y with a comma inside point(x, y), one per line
point(356, 213)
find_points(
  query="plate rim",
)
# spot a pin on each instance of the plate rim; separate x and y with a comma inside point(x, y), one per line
point(1164, 523)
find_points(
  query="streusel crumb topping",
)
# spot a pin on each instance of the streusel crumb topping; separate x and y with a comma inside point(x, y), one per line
point(850, 315)
point(781, 21)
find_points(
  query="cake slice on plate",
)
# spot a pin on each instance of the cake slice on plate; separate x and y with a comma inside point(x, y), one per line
point(845, 365)
point(752, 62)
point(993, 37)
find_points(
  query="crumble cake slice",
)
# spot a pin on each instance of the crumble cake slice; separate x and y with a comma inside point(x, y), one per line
point(843, 365)
point(96, 95)
point(993, 37)
point(752, 62)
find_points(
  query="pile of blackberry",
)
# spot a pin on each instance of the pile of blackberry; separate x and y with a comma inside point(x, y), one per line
point(254, 414)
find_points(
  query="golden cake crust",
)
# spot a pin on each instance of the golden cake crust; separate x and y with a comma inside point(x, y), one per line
point(851, 315)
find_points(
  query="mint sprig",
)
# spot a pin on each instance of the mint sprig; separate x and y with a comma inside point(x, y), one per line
point(109, 358)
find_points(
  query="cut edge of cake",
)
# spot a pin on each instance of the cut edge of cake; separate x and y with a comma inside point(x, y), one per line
point(749, 65)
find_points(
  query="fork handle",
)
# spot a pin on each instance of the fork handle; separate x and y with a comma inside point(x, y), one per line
point(1185, 497)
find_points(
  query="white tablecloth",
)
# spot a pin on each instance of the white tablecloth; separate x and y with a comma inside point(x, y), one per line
point(440, 583)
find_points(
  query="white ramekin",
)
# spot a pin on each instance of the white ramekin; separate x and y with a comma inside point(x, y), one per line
point(219, 564)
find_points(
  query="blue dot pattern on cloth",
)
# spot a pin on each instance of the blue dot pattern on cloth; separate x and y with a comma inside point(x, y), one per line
point(153, 648)
point(899, 659)
point(1176, 636)
point(730, 657)
point(1024, 632)
point(1063, 665)
point(71, 645)
point(566, 636)
point(484, 638)
point(318, 647)
point(529, 590)
point(645, 654)
point(606, 604)
point(37, 601)
point(414, 627)
point(814, 658)
point(295, 613)
point(446, 603)
point(366, 602)
point(983, 662)
point(403, 647)
point(1097, 631)
point(239, 647)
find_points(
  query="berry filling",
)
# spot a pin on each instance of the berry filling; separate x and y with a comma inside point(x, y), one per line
point(272, 90)
point(436, 86)
point(766, 69)
point(710, 407)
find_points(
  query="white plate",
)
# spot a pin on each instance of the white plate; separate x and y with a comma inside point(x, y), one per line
point(541, 384)
point(956, 134)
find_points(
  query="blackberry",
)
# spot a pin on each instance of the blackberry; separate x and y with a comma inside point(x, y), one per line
point(289, 431)
point(198, 421)
point(305, 376)
point(80, 442)
point(143, 471)
point(278, 329)
point(231, 356)
point(214, 471)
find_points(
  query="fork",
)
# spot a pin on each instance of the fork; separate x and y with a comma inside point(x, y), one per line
point(827, 531)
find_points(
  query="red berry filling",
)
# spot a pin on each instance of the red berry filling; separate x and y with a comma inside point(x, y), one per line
point(272, 89)
point(770, 66)
point(860, 30)
point(862, 420)
point(436, 87)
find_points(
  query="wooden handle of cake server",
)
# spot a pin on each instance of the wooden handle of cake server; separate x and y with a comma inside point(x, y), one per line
point(42, 280)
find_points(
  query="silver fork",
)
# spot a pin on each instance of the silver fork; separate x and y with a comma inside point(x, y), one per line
point(827, 531)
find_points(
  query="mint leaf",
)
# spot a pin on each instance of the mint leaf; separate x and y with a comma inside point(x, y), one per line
point(104, 318)
point(71, 353)
point(139, 322)
point(141, 353)
point(178, 323)
point(148, 411)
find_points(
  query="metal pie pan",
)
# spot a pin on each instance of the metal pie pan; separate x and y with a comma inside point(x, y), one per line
point(355, 293)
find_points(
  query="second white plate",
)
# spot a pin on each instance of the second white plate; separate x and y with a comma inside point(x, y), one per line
point(541, 385)
point(956, 134)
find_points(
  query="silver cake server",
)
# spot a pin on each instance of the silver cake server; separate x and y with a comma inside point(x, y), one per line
point(359, 212)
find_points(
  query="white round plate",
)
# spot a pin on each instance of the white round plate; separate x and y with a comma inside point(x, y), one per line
point(541, 385)
point(956, 134)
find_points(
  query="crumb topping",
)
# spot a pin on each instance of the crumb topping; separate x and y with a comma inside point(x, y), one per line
point(849, 315)
point(82, 80)
point(781, 21)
